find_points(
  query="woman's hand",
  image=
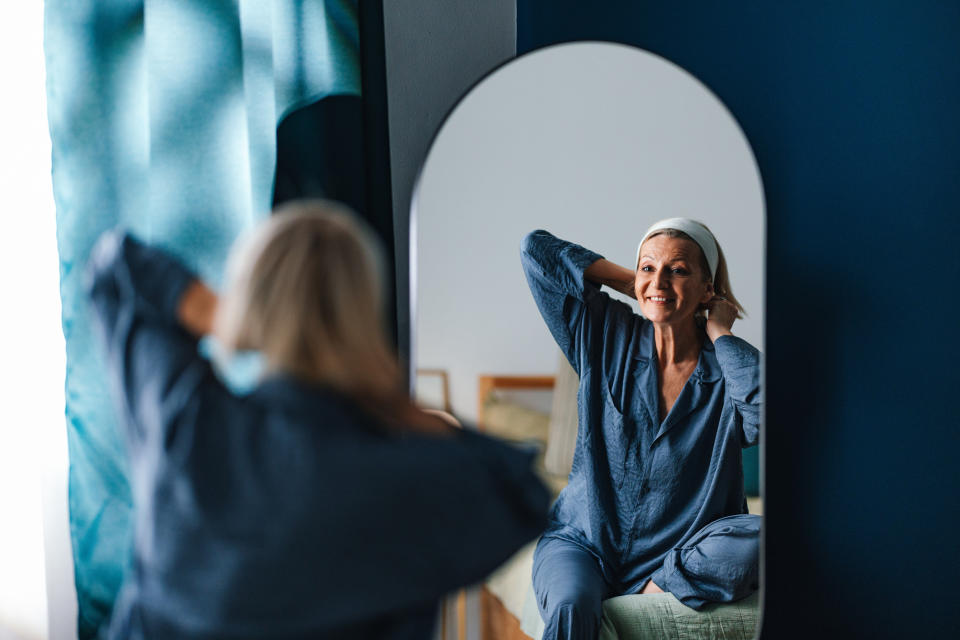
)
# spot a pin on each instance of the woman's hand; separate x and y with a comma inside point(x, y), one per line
point(197, 306)
point(721, 314)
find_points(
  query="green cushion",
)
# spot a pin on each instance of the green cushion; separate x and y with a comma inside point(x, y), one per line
point(661, 616)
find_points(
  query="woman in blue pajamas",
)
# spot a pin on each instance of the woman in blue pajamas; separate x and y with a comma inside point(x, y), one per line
point(667, 400)
point(321, 505)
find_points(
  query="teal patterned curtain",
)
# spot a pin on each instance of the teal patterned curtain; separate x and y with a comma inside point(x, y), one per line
point(163, 117)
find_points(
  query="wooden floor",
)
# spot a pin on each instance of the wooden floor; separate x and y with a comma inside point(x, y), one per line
point(496, 622)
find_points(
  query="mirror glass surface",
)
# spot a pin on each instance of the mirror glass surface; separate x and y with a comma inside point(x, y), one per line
point(592, 142)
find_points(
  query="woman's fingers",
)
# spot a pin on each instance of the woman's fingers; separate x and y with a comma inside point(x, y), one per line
point(722, 313)
point(715, 301)
point(723, 307)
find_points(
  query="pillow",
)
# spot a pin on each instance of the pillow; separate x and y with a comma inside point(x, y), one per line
point(513, 422)
point(563, 420)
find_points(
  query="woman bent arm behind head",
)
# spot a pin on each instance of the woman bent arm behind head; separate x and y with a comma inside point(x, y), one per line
point(323, 504)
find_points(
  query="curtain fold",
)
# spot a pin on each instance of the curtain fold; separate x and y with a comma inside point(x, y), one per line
point(163, 117)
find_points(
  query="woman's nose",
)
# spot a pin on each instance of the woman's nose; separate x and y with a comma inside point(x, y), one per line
point(661, 279)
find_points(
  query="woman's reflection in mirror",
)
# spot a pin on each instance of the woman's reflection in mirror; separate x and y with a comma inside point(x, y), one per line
point(667, 400)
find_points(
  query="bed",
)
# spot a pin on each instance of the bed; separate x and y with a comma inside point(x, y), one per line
point(540, 410)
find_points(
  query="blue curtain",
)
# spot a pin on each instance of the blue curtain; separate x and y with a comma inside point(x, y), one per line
point(163, 118)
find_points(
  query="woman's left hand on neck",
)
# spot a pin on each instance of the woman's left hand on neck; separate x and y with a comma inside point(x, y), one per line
point(721, 314)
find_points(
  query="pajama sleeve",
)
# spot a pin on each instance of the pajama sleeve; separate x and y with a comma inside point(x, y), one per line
point(740, 363)
point(152, 363)
point(577, 313)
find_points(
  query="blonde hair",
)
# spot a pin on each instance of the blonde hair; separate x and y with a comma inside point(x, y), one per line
point(307, 291)
point(721, 281)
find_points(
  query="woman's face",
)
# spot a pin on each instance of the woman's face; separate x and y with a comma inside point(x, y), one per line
point(671, 284)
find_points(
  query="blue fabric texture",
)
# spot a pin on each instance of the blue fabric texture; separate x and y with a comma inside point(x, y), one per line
point(289, 512)
point(719, 564)
point(570, 589)
point(162, 118)
point(639, 487)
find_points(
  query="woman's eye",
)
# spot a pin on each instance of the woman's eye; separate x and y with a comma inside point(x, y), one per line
point(646, 268)
point(680, 271)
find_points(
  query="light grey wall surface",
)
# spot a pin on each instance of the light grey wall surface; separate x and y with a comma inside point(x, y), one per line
point(592, 142)
point(435, 50)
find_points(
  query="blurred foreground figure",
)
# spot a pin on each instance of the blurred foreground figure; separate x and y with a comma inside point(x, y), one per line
point(324, 504)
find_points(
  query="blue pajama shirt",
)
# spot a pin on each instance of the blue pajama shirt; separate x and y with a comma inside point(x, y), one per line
point(642, 491)
point(289, 512)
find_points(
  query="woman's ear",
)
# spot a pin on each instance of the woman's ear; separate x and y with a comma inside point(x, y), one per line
point(708, 293)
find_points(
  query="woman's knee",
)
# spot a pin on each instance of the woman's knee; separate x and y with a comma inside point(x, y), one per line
point(568, 583)
point(734, 540)
point(573, 602)
point(720, 563)
point(572, 621)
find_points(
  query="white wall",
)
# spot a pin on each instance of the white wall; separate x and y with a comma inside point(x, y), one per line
point(592, 142)
point(32, 428)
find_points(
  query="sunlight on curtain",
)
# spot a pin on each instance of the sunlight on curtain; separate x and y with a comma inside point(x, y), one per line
point(163, 117)
point(31, 373)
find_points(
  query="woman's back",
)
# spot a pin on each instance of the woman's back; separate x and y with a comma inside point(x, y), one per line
point(292, 512)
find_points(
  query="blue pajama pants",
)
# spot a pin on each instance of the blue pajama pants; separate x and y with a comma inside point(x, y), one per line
point(718, 564)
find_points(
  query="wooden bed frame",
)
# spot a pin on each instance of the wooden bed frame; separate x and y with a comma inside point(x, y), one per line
point(487, 384)
point(496, 621)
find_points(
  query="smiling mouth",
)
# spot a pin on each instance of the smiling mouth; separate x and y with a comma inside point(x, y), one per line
point(659, 299)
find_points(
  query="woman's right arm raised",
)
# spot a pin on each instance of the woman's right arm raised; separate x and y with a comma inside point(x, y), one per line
point(149, 310)
point(565, 280)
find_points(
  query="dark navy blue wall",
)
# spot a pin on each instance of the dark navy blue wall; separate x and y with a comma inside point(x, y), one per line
point(853, 111)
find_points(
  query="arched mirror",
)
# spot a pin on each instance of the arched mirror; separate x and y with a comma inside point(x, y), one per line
point(592, 142)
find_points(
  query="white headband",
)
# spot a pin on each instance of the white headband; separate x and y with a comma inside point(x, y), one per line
point(700, 234)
